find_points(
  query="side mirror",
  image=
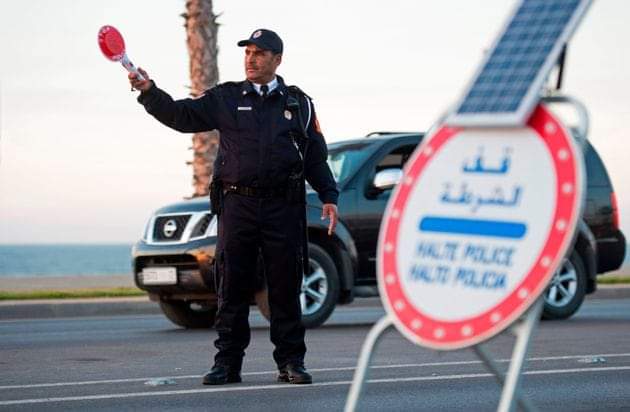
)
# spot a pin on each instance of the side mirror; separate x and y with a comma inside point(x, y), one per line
point(388, 178)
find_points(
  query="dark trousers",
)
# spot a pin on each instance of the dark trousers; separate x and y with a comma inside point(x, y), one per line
point(249, 226)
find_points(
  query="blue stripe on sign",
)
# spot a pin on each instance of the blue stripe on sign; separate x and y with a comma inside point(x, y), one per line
point(493, 228)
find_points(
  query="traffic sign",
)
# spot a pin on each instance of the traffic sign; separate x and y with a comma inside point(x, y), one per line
point(476, 229)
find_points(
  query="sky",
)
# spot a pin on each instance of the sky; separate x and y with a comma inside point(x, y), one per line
point(80, 160)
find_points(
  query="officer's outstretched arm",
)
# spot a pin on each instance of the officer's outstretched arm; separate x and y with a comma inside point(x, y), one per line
point(186, 115)
point(137, 84)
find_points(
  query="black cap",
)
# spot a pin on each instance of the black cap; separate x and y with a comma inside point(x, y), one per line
point(264, 39)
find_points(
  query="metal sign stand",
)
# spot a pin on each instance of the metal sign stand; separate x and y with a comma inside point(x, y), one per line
point(522, 329)
point(487, 103)
point(365, 357)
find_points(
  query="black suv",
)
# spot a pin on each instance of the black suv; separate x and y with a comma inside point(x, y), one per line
point(174, 260)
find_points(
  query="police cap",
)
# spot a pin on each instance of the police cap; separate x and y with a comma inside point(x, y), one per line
point(264, 39)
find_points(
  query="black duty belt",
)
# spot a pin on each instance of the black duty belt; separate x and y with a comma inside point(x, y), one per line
point(259, 192)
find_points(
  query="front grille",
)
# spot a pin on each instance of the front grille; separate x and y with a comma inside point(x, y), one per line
point(201, 226)
point(170, 228)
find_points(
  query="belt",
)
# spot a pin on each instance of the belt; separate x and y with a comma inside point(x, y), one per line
point(259, 192)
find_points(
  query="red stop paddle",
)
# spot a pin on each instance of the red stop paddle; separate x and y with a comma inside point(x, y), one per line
point(112, 45)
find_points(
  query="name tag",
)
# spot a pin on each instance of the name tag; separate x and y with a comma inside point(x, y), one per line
point(244, 108)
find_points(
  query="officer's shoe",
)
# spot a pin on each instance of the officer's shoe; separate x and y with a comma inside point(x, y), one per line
point(294, 373)
point(220, 375)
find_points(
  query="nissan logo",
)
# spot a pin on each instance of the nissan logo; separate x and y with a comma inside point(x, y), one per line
point(170, 227)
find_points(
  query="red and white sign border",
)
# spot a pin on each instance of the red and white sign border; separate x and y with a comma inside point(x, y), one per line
point(448, 335)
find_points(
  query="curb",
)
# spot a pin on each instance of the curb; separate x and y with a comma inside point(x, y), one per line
point(69, 308)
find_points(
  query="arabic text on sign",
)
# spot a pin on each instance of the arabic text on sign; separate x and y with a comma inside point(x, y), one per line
point(478, 165)
point(469, 198)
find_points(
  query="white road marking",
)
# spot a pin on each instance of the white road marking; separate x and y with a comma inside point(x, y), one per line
point(337, 369)
point(287, 386)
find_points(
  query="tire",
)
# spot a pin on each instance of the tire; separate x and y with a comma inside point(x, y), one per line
point(190, 315)
point(320, 290)
point(566, 291)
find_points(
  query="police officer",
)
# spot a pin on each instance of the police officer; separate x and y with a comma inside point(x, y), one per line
point(270, 142)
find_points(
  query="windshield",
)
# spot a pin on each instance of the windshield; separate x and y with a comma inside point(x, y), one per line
point(345, 158)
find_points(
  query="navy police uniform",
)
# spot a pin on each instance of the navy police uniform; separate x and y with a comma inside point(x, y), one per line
point(261, 145)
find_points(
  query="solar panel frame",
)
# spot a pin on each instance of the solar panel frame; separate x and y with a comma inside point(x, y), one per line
point(519, 115)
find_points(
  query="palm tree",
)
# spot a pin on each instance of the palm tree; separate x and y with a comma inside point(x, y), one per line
point(201, 39)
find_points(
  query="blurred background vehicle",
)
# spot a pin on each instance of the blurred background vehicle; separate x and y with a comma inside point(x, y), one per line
point(174, 260)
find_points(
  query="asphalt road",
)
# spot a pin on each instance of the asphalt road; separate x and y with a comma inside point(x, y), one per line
point(144, 363)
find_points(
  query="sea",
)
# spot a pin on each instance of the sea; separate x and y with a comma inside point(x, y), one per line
point(65, 260)
point(75, 260)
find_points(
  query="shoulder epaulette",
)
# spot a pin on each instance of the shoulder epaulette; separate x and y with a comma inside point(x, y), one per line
point(225, 87)
point(229, 84)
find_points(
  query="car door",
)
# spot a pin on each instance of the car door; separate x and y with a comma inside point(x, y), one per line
point(371, 203)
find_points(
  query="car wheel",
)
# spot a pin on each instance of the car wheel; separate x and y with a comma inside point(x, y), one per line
point(319, 293)
point(320, 288)
point(191, 315)
point(567, 288)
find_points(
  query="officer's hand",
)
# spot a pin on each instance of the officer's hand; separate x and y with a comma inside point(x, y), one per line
point(329, 210)
point(142, 85)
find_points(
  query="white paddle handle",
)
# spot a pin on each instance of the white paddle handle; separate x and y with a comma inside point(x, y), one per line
point(127, 64)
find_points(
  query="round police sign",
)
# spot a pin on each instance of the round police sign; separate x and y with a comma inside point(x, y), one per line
point(474, 232)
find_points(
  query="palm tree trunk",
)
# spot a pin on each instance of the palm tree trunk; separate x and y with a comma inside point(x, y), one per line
point(201, 39)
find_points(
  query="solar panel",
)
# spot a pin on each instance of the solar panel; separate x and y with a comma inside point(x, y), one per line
point(507, 86)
